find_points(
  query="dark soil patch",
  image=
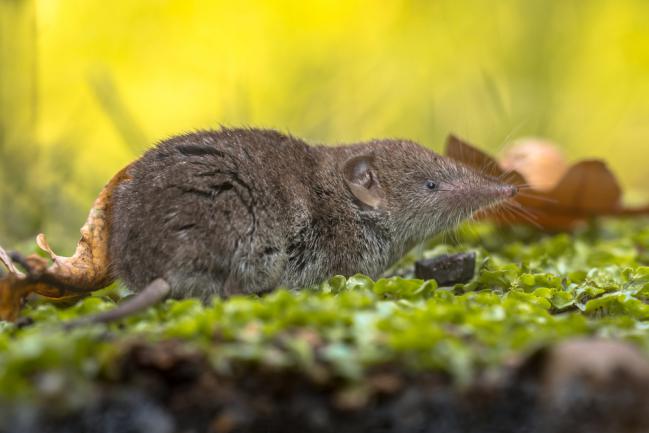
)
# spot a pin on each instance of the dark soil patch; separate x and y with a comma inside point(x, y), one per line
point(169, 388)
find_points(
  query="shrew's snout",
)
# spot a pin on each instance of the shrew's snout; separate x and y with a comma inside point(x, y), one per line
point(508, 191)
point(495, 193)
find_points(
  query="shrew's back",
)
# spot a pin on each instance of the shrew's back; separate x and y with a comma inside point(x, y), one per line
point(201, 210)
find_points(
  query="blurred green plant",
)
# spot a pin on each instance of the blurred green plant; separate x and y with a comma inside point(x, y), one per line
point(32, 176)
point(18, 211)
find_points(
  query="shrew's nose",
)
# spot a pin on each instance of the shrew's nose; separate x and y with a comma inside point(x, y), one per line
point(509, 190)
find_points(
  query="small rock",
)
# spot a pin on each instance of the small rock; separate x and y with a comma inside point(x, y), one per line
point(448, 269)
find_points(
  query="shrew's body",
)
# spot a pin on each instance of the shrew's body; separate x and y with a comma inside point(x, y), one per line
point(248, 210)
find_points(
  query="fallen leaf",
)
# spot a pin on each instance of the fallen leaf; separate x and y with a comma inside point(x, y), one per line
point(588, 186)
point(85, 271)
point(462, 151)
point(12, 294)
point(585, 190)
point(6, 260)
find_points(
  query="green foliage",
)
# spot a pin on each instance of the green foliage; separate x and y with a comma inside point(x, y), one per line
point(525, 295)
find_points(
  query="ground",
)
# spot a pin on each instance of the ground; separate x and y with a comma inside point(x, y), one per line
point(511, 351)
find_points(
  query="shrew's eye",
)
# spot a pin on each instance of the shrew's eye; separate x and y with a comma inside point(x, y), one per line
point(431, 185)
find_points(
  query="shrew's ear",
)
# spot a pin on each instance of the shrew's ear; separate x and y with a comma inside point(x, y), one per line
point(361, 180)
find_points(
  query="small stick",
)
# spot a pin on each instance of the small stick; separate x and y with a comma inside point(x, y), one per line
point(151, 295)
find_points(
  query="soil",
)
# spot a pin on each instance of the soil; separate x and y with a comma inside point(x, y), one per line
point(169, 388)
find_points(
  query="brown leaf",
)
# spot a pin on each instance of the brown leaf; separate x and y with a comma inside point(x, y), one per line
point(12, 293)
point(462, 151)
point(467, 154)
point(87, 270)
point(5, 260)
point(585, 190)
point(589, 187)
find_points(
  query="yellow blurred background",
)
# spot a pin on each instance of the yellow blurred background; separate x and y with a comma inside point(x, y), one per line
point(86, 85)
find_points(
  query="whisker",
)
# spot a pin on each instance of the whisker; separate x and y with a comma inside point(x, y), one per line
point(504, 174)
point(539, 198)
point(520, 216)
point(525, 215)
point(509, 178)
point(497, 211)
point(517, 205)
point(506, 214)
point(514, 130)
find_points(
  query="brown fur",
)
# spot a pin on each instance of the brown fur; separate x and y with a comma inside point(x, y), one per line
point(249, 210)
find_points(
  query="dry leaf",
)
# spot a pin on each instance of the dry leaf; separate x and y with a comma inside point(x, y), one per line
point(585, 190)
point(86, 271)
point(468, 155)
point(6, 260)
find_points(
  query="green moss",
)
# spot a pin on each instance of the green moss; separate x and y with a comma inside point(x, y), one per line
point(530, 290)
